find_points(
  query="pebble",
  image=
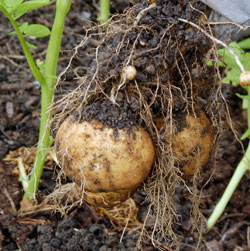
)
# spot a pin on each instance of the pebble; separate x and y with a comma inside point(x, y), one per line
point(9, 109)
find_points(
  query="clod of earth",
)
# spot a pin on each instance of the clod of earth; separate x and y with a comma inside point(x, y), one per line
point(108, 163)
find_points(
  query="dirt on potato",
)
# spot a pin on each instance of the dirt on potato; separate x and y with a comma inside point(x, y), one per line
point(118, 116)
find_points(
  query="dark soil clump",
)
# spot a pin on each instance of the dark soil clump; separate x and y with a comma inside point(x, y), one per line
point(167, 54)
point(68, 235)
point(119, 115)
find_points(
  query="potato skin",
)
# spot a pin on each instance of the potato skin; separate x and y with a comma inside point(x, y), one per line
point(107, 199)
point(92, 155)
point(194, 144)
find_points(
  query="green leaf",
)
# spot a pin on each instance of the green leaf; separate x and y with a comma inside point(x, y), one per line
point(245, 104)
point(228, 60)
point(28, 6)
point(210, 63)
point(32, 46)
point(246, 134)
point(21, 27)
point(246, 61)
point(232, 76)
point(11, 5)
point(245, 100)
point(247, 97)
point(36, 30)
point(245, 43)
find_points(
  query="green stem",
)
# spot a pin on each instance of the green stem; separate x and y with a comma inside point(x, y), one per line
point(248, 107)
point(104, 13)
point(62, 8)
point(35, 71)
point(239, 172)
point(47, 95)
point(44, 143)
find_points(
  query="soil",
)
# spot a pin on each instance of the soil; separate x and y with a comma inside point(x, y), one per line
point(86, 228)
point(115, 116)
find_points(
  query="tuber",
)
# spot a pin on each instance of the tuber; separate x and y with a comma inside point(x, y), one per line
point(192, 143)
point(245, 78)
point(109, 163)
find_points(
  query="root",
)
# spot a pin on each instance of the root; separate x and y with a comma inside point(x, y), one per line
point(143, 13)
point(217, 41)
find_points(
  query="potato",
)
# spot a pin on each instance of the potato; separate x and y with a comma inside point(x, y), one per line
point(193, 143)
point(107, 199)
point(109, 163)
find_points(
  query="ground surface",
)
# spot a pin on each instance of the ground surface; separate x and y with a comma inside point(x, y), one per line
point(84, 229)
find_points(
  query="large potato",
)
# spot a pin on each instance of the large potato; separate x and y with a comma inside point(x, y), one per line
point(102, 160)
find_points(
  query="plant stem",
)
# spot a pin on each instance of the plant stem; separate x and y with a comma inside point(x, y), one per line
point(47, 95)
point(239, 172)
point(104, 13)
point(35, 71)
point(62, 8)
point(23, 176)
point(44, 143)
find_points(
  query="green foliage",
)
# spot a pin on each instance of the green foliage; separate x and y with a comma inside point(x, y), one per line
point(227, 60)
point(36, 30)
point(28, 6)
point(43, 72)
point(233, 73)
point(17, 8)
point(244, 44)
point(11, 5)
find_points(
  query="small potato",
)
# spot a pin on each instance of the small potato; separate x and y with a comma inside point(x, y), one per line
point(193, 143)
point(109, 165)
point(245, 78)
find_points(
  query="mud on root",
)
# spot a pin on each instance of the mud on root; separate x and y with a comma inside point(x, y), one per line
point(172, 78)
